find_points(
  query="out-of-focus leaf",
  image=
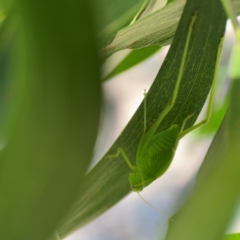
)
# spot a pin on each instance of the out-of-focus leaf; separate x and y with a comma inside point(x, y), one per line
point(111, 16)
point(55, 236)
point(107, 182)
point(5, 6)
point(3, 86)
point(53, 116)
point(113, 11)
point(208, 212)
point(7, 29)
point(152, 6)
point(156, 29)
point(235, 236)
point(132, 59)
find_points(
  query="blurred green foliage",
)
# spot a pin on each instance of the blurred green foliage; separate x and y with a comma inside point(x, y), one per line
point(50, 100)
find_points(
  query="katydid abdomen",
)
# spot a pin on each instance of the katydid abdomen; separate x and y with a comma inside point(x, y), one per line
point(155, 158)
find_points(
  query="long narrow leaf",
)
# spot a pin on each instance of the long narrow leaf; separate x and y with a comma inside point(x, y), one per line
point(112, 17)
point(132, 59)
point(108, 182)
point(54, 82)
point(235, 236)
point(208, 212)
point(156, 29)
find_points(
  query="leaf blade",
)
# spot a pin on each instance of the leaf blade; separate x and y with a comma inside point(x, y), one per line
point(107, 182)
point(50, 131)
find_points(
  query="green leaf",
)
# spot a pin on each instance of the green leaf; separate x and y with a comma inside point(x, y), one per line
point(55, 236)
point(112, 11)
point(235, 236)
point(132, 59)
point(53, 115)
point(107, 182)
point(217, 191)
point(113, 16)
point(152, 6)
point(5, 6)
point(108, 15)
point(7, 29)
point(155, 29)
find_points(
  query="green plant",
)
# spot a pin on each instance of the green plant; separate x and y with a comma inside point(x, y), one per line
point(50, 70)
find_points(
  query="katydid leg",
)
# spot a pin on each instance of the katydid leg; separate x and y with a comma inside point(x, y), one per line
point(169, 106)
point(185, 121)
point(209, 108)
point(121, 151)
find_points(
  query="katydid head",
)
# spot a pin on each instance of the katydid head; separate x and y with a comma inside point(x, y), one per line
point(138, 181)
point(137, 188)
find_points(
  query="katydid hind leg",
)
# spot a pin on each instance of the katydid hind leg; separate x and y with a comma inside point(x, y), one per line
point(169, 106)
point(185, 121)
point(210, 102)
point(145, 113)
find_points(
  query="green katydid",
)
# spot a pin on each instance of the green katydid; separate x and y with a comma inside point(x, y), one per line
point(156, 150)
